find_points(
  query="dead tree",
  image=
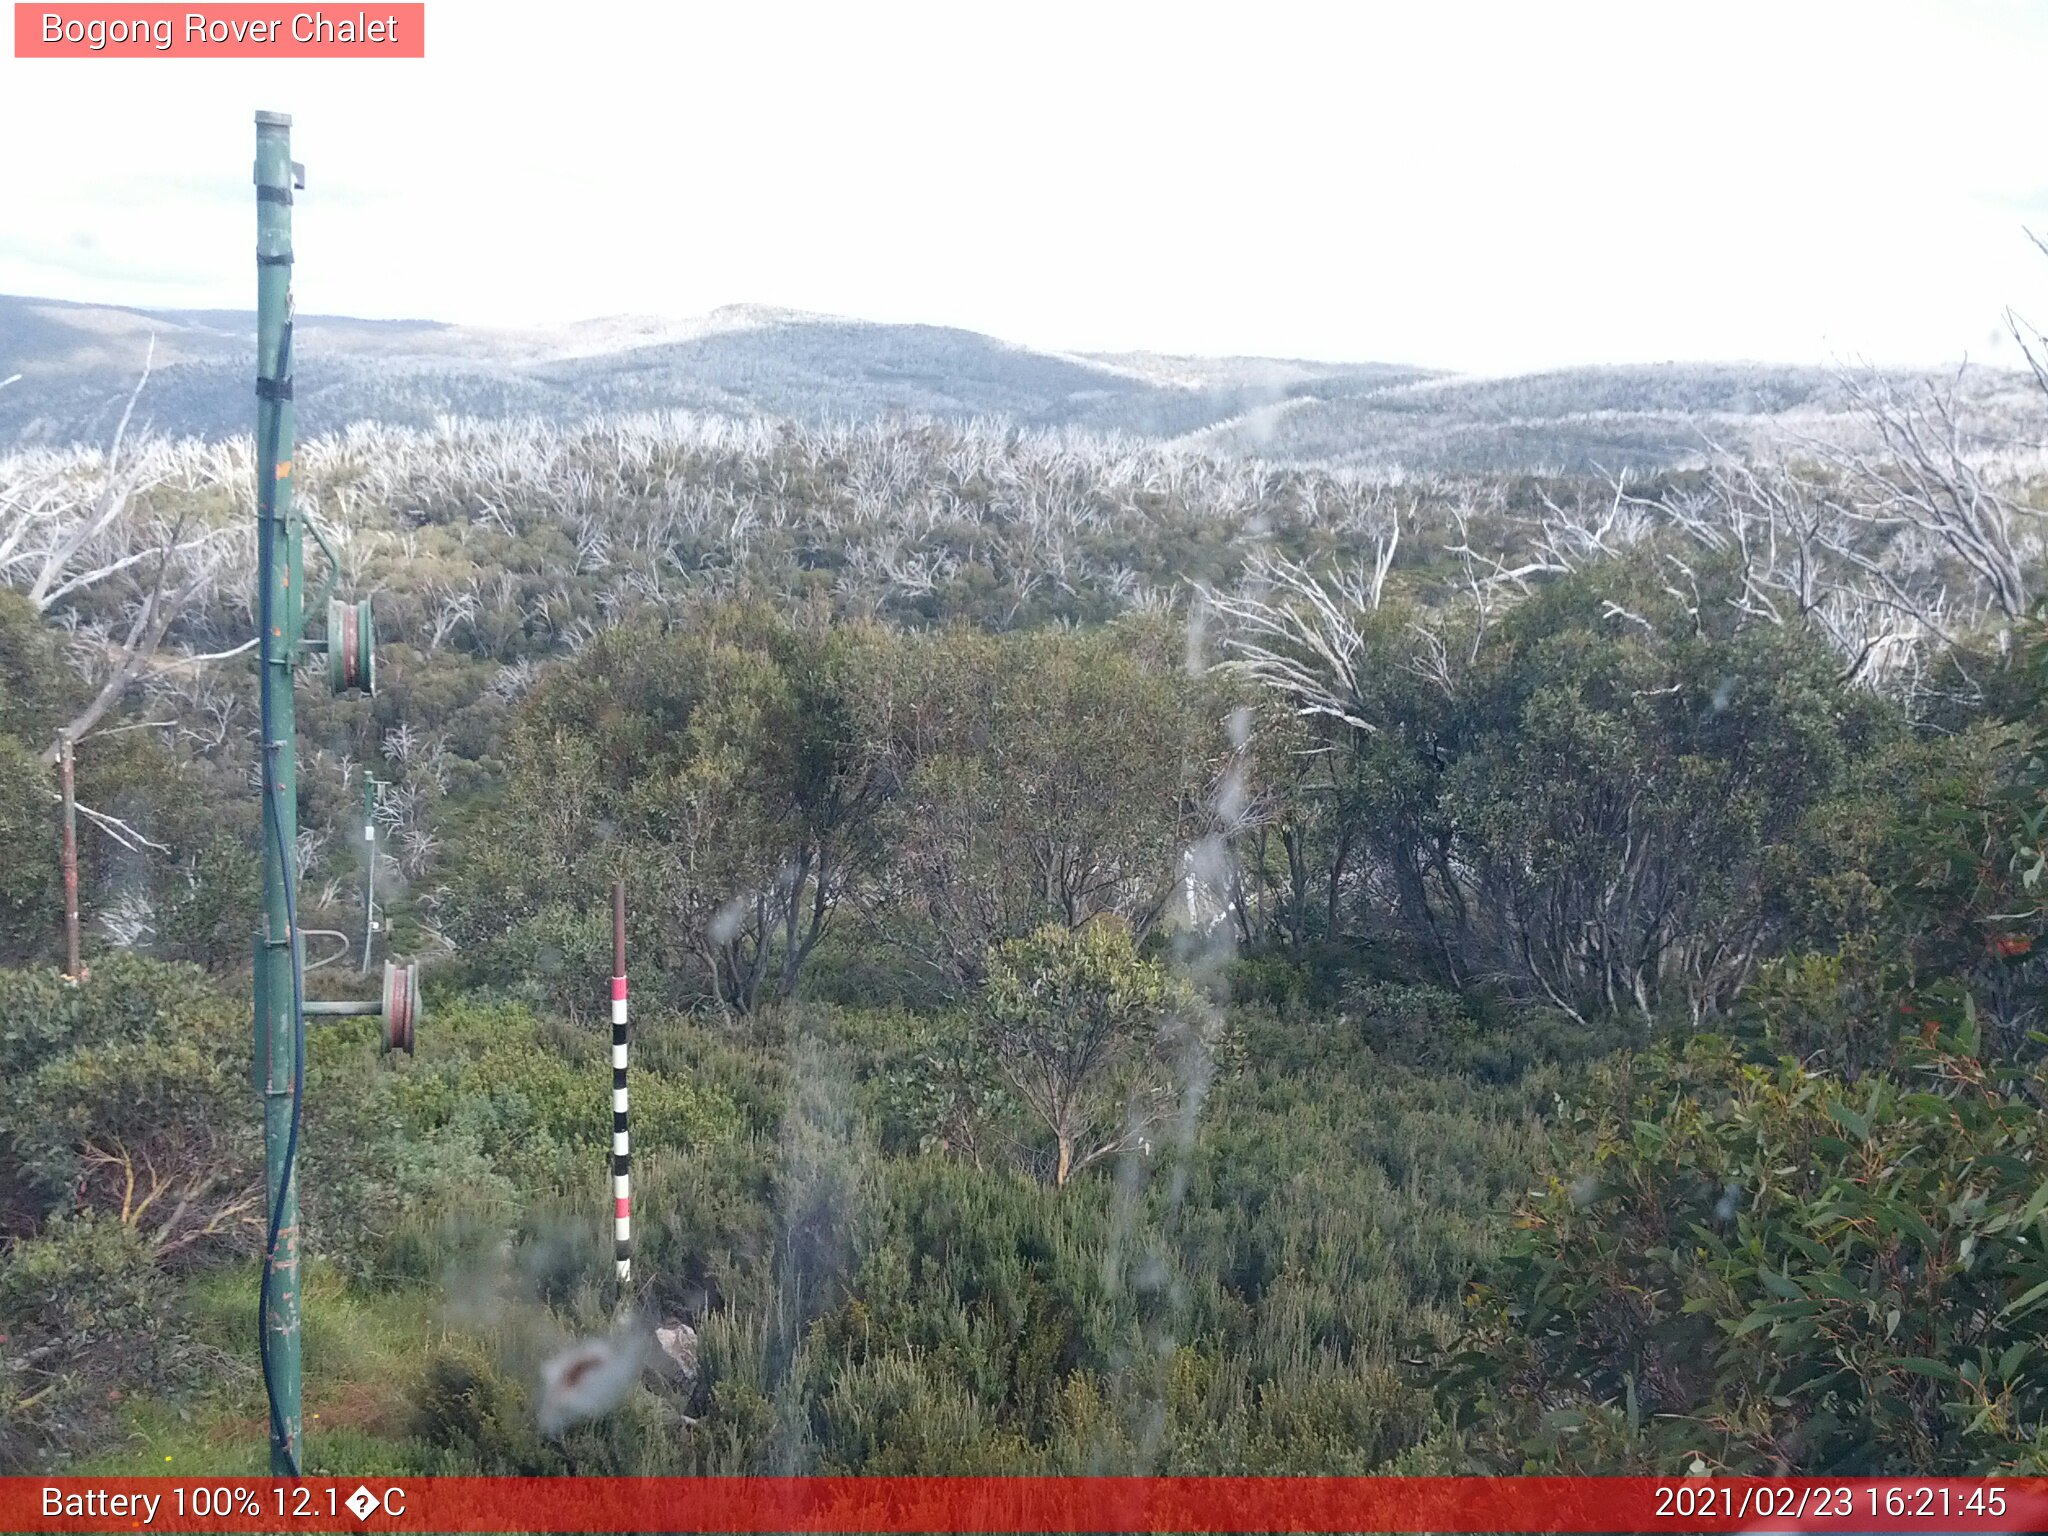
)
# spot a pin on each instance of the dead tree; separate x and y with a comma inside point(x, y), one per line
point(1933, 483)
point(58, 546)
point(1303, 635)
point(1802, 555)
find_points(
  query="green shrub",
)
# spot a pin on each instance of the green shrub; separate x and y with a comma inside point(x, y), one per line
point(127, 997)
point(1089, 1035)
point(130, 1094)
point(1758, 1267)
point(88, 1322)
point(205, 916)
point(466, 1405)
point(1438, 1031)
point(30, 894)
point(902, 1415)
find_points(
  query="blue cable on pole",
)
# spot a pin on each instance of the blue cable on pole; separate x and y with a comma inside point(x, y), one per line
point(273, 819)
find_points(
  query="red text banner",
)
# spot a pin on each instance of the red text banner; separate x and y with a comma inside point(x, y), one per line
point(1025, 1504)
point(376, 31)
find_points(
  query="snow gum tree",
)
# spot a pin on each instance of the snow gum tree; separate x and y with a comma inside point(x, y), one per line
point(1086, 1030)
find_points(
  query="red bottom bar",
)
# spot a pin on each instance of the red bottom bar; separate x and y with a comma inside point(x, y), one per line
point(1026, 1504)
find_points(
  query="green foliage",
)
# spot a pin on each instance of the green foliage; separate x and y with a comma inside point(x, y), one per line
point(1002, 746)
point(1824, 1256)
point(1600, 798)
point(31, 895)
point(1969, 907)
point(1089, 1035)
point(204, 913)
point(127, 1144)
point(87, 1323)
point(1767, 1269)
point(37, 691)
point(412, 1169)
point(465, 1405)
point(1626, 781)
point(128, 997)
point(934, 883)
point(156, 1131)
point(719, 766)
point(1234, 1302)
point(900, 1415)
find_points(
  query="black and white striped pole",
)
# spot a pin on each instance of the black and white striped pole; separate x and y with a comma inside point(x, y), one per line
point(622, 1145)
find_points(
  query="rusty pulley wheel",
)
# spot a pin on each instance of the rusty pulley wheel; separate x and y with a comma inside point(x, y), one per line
point(351, 647)
point(401, 1005)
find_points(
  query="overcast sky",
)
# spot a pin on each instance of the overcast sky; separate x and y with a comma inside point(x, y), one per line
point(1466, 185)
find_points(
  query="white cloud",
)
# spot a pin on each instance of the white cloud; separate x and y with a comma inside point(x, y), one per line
point(1480, 185)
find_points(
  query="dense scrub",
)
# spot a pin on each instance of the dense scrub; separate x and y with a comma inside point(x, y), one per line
point(1118, 940)
point(1816, 1242)
point(1240, 1298)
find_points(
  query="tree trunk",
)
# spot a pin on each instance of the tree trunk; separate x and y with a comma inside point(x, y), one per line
point(1066, 1167)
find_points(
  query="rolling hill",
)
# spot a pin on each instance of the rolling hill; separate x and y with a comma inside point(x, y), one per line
point(78, 362)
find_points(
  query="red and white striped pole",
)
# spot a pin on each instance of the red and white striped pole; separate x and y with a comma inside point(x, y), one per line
point(622, 1146)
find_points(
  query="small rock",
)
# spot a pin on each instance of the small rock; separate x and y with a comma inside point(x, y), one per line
point(678, 1341)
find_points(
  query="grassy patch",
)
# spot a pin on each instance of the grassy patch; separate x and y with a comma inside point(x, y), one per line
point(362, 1354)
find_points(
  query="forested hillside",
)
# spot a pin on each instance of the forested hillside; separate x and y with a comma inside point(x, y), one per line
point(1143, 959)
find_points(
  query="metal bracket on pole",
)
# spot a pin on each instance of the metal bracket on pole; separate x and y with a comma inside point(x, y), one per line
point(398, 1006)
point(327, 582)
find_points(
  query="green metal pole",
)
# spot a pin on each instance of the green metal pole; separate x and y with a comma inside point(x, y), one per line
point(280, 1027)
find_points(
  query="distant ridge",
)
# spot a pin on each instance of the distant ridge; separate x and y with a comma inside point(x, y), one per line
point(78, 362)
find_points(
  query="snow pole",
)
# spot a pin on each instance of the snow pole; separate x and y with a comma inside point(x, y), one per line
point(622, 1143)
